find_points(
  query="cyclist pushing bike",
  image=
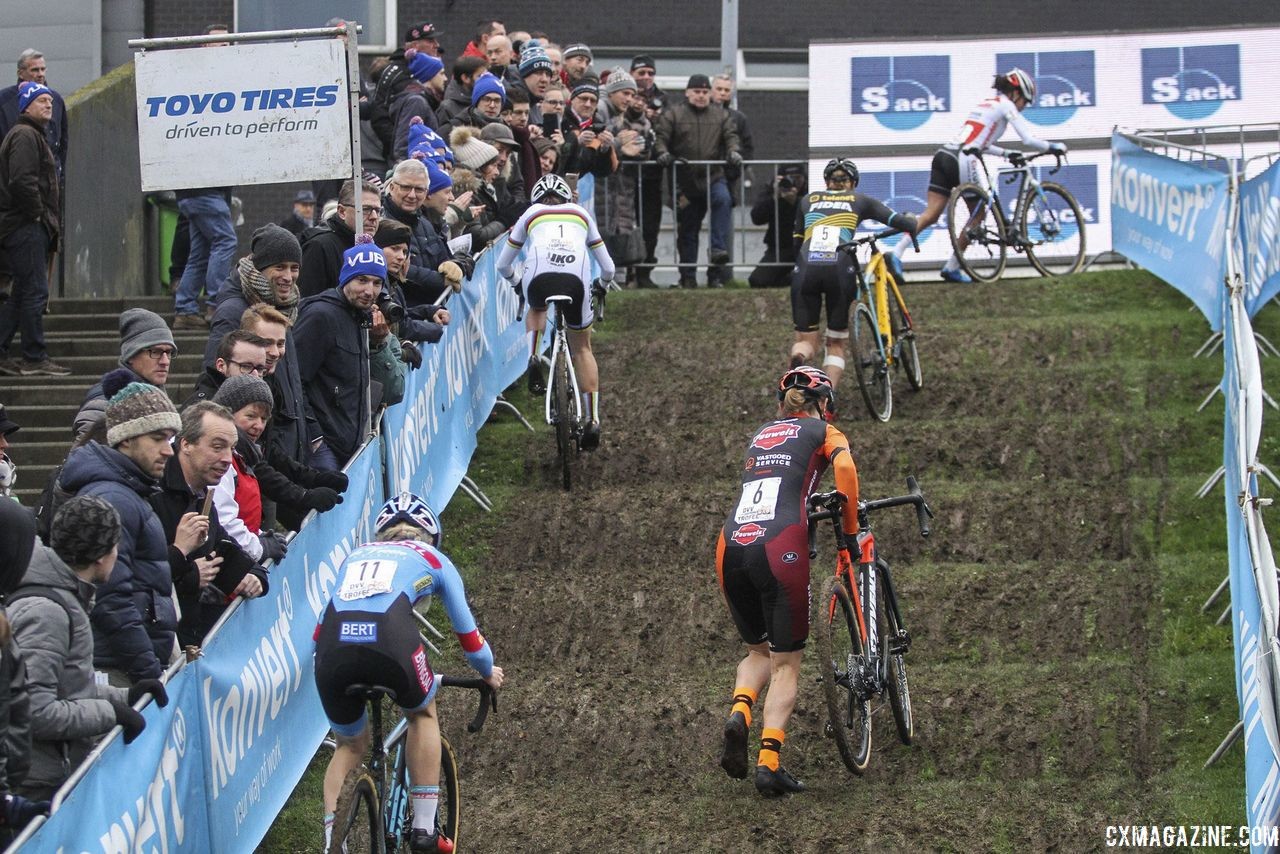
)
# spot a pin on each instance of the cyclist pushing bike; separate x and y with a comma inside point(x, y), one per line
point(555, 235)
point(368, 634)
point(824, 220)
point(762, 564)
point(952, 166)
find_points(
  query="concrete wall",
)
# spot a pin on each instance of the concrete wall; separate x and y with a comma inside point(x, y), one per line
point(67, 32)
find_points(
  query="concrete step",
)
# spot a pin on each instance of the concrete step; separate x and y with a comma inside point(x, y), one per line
point(67, 343)
point(187, 362)
point(103, 323)
point(161, 304)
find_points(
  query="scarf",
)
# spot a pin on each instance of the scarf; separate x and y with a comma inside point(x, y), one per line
point(256, 289)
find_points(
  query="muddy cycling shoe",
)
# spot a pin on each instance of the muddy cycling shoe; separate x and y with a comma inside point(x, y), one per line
point(429, 842)
point(956, 276)
point(536, 378)
point(773, 784)
point(734, 758)
point(590, 436)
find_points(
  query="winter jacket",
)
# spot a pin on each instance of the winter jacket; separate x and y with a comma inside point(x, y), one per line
point(386, 368)
point(50, 616)
point(333, 361)
point(746, 147)
point(763, 213)
point(17, 542)
point(322, 248)
point(29, 181)
point(594, 158)
point(689, 133)
point(616, 208)
point(207, 385)
point(456, 102)
point(134, 619)
point(411, 102)
point(427, 251)
point(471, 117)
point(55, 133)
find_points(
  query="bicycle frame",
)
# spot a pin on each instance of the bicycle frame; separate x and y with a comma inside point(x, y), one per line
point(1028, 184)
point(560, 350)
point(874, 287)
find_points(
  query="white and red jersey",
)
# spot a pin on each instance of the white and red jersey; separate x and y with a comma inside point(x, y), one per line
point(986, 123)
point(555, 239)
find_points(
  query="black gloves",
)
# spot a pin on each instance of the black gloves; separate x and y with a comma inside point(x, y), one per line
point(273, 546)
point(321, 498)
point(333, 479)
point(410, 355)
point(154, 687)
point(666, 158)
point(734, 159)
point(466, 262)
point(18, 811)
point(132, 721)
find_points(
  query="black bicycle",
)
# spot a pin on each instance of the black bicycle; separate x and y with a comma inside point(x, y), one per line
point(374, 812)
point(1046, 222)
point(859, 661)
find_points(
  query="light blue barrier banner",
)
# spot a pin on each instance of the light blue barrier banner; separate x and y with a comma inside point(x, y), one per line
point(1259, 231)
point(431, 435)
point(1170, 218)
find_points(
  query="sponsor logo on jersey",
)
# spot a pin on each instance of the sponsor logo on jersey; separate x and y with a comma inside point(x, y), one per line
point(423, 671)
point(1064, 82)
point(747, 534)
point(790, 557)
point(1191, 82)
point(767, 460)
point(352, 632)
point(902, 190)
point(775, 435)
point(902, 92)
point(1081, 180)
point(423, 583)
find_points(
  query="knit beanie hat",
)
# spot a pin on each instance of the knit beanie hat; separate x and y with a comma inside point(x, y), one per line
point(534, 58)
point(437, 178)
point(236, 393)
point(423, 66)
point(469, 150)
point(642, 61)
point(274, 245)
point(619, 81)
point(578, 49)
point(84, 529)
point(140, 329)
point(363, 259)
point(391, 232)
point(486, 84)
point(586, 86)
point(139, 409)
point(28, 91)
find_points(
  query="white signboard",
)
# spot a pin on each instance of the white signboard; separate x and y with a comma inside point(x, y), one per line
point(890, 93)
point(259, 113)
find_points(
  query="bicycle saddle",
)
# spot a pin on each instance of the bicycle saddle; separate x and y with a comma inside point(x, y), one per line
point(370, 692)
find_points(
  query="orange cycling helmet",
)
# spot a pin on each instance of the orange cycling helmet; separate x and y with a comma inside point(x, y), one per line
point(813, 382)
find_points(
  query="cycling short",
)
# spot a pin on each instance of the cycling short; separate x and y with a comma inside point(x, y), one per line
point(578, 314)
point(950, 169)
point(813, 282)
point(766, 586)
point(375, 649)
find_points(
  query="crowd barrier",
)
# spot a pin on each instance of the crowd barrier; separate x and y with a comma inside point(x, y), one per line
point(1228, 269)
point(213, 768)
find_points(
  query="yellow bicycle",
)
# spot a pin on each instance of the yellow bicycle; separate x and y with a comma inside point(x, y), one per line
point(882, 337)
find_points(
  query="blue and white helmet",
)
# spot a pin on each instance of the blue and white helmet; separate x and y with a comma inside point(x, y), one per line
point(409, 508)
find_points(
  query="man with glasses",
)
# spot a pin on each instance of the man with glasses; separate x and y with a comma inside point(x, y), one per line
point(147, 351)
point(428, 250)
point(240, 353)
point(323, 245)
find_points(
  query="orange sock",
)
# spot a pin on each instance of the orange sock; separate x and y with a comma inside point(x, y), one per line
point(742, 700)
point(770, 747)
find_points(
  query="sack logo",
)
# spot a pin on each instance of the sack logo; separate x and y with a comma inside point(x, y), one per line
point(1065, 82)
point(902, 92)
point(1191, 82)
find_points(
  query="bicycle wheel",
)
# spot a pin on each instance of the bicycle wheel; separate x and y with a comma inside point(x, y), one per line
point(894, 656)
point(869, 365)
point(904, 336)
point(840, 660)
point(357, 824)
point(562, 414)
point(1052, 225)
point(972, 220)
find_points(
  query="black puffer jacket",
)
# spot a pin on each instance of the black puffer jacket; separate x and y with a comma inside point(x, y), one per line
point(333, 360)
point(322, 248)
point(427, 251)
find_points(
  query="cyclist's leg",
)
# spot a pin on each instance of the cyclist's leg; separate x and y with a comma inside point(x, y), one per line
point(968, 171)
point(423, 762)
point(806, 310)
point(841, 287)
point(347, 755)
point(785, 596)
point(752, 673)
point(944, 176)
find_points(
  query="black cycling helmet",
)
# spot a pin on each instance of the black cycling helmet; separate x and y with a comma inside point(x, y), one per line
point(841, 164)
point(409, 508)
point(814, 383)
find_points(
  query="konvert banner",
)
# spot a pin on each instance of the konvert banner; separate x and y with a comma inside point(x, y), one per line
point(1259, 232)
point(248, 113)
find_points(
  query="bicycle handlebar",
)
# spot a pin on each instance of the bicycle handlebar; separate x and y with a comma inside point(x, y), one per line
point(914, 496)
point(872, 238)
point(1018, 158)
point(488, 697)
point(829, 505)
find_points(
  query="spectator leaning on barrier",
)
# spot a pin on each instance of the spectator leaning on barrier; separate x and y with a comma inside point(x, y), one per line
point(147, 351)
point(323, 245)
point(407, 190)
point(421, 323)
point(238, 495)
point(333, 353)
point(17, 540)
point(134, 618)
point(239, 353)
point(8, 469)
point(616, 210)
point(303, 214)
point(30, 226)
point(49, 612)
point(643, 71)
point(437, 208)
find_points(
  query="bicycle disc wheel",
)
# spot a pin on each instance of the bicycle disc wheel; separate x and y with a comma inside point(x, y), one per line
point(894, 657)
point(357, 826)
point(1053, 226)
point(904, 336)
point(562, 410)
point(973, 221)
point(869, 366)
point(840, 659)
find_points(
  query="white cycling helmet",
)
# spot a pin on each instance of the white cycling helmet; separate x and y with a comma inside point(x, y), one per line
point(407, 507)
point(1021, 83)
point(551, 185)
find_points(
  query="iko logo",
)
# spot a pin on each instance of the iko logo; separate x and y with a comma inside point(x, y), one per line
point(903, 191)
point(1081, 180)
point(1191, 82)
point(1064, 82)
point(901, 91)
